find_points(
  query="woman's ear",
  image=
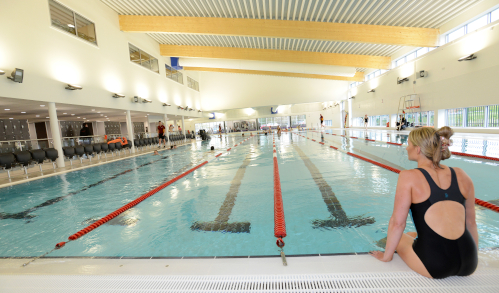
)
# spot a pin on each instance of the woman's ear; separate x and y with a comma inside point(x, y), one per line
point(418, 150)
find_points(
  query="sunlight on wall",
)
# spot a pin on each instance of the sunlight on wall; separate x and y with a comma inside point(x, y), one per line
point(112, 83)
point(474, 43)
point(65, 70)
point(249, 111)
point(406, 70)
point(142, 90)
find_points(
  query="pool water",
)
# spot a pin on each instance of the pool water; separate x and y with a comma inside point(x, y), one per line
point(333, 203)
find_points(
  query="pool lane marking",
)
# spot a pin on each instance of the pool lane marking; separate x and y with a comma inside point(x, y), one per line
point(477, 201)
point(24, 214)
point(131, 204)
point(373, 157)
point(221, 222)
point(279, 220)
point(333, 204)
point(399, 144)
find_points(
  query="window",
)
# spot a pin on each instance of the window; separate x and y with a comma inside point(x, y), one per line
point(474, 25)
point(454, 117)
point(400, 61)
point(421, 52)
point(142, 58)
point(328, 122)
point(298, 120)
point(192, 84)
point(494, 15)
point(478, 116)
point(410, 56)
point(173, 74)
point(456, 34)
point(67, 20)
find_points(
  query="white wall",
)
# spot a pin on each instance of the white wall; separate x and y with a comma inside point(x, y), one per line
point(450, 84)
point(51, 58)
point(221, 91)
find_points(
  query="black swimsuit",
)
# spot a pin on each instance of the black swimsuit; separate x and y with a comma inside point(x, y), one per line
point(443, 257)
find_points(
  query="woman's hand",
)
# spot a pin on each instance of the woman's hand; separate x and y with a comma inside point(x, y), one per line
point(380, 256)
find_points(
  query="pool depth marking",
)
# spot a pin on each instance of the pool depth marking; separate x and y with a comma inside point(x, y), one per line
point(333, 204)
point(25, 214)
point(221, 222)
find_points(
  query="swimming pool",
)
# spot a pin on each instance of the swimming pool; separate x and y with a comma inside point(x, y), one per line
point(333, 203)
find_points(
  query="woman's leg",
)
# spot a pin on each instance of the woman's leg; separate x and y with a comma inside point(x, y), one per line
point(411, 259)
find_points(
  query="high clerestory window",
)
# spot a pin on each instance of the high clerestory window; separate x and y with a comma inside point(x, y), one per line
point(71, 22)
point(472, 25)
point(412, 55)
point(192, 84)
point(174, 74)
point(142, 58)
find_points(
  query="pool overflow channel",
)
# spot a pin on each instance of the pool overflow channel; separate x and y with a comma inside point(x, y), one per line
point(477, 201)
point(131, 204)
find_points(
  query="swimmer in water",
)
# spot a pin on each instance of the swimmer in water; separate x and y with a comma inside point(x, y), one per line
point(155, 153)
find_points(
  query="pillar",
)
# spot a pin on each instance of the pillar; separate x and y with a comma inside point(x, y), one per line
point(183, 128)
point(175, 128)
point(56, 134)
point(129, 127)
point(166, 128)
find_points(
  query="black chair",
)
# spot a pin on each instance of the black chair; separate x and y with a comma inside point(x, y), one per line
point(6, 162)
point(51, 154)
point(136, 143)
point(23, 158)
point(118, 146)
point(80, 151)
point(156, 140)
point(142, 143)
point(112, 148)
point(89, 151)
point(149, 142)
point(38, 157)
point(97, 150)
point(104, 148)
point(69, 152)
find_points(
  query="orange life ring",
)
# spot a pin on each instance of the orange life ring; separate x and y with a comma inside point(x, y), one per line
point(119, 139)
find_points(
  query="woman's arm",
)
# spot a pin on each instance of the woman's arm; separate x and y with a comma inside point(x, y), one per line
point(398, 220)
point(470, 204)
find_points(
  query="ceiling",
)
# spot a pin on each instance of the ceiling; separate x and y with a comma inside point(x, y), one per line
point(68, 112)
point(404, 13)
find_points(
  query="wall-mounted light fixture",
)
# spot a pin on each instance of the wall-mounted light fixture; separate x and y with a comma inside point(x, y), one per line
point(191, 109)
point(186, 108)
point(118, 95)
point(401, 80)
point(371, 91)
point(2, 72)
point(73, 87)
point(467, 57)
point(180, 107)
point(146, 100)
point(165, 104)
point(136, 99)
point(199, 111)
point(17, 75)
point(352, 97)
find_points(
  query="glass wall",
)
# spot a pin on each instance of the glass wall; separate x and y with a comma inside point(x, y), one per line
point(299, 120)
point(479, 116)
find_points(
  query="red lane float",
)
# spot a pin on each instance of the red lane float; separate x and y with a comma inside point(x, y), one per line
point(130, 205)
point(477, 201)
point(279, 221)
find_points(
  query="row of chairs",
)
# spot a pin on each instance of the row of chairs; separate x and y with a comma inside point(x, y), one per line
point(22, 159)
point(89, 150)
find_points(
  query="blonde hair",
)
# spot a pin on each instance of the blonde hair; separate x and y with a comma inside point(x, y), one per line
point(431, 141)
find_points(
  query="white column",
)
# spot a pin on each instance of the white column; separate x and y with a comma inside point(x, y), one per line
point(166, 128)
point(56, 134)
point(183, 128)
point(175, 125)
point(129, 126)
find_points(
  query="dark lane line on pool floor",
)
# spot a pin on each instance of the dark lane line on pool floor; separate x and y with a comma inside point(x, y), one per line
point(333, 204)
point(366, 154)
point(25, 214)
point(221, 222)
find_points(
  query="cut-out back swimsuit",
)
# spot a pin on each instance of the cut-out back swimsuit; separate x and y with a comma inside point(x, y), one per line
point(443, 257)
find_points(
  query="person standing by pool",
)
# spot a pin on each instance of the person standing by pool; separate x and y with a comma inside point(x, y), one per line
point(322, 120)
point(442, 205)
point(366, 119)
point(161, 133)
point(220, 129)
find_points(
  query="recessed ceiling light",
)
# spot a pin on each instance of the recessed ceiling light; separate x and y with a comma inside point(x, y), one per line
point(37, 115)
point(46, 117)
point(72, 114)
point(23, 112)
point(77, 117)
point(71, 25)
point(64, 113)
point(7, 109)
point(42, 105)
point(98, 112)
point(11, 118)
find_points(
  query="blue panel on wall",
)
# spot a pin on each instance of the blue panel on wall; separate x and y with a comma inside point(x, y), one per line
point(272, 110)
point(175, 64)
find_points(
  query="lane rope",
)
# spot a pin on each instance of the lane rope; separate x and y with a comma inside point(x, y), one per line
point(128, 206)
point(399, 144)
point(477, 201)
point(279, 221)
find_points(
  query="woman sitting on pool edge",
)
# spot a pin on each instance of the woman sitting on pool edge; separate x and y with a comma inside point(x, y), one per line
point(442, 205)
